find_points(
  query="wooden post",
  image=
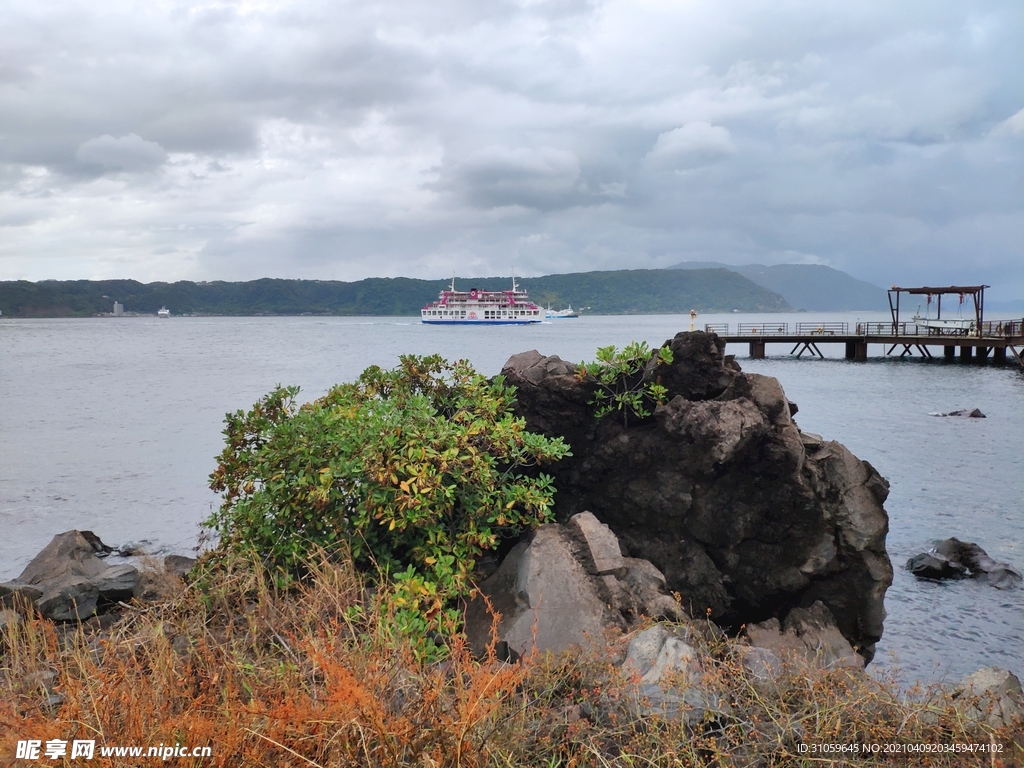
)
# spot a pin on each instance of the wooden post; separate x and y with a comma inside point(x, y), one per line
point(982, 354)
point(861, 351)
point(949, 352)
point(851, 350)
point(999, 354)
point(757, 350)
point(966, 354)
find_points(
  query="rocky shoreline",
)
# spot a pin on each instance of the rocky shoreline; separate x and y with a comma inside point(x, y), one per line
point(710, 532)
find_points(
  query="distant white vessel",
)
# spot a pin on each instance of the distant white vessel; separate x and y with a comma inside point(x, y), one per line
point(558, 314)
point(959, 325)
point(163, 312)
point(479, 307)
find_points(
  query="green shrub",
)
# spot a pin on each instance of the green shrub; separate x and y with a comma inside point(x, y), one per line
point(415, 471)
point(619, 382)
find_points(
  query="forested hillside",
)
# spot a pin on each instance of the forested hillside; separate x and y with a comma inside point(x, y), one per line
point(619, 292)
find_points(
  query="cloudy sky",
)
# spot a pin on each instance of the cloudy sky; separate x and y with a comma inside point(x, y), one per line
point(166, 140)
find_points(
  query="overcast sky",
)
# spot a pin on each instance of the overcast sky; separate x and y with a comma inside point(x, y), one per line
point(165, 140)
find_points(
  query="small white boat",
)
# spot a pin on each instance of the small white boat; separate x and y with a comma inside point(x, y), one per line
point(163, 312)
point(959, 325)
point(558, 314)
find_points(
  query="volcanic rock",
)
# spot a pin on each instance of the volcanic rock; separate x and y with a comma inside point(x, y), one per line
point(993, 695)
point(955, 559)
point(746, 516)
point(178, 565)
point(665, 677)
point(932, 565)
point(68, 581)
point(808, 635)
point(563, 587)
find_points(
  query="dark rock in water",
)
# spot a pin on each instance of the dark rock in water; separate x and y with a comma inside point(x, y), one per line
point(963, 413)
point(746, 516)
point(976, 559)
point(134, 548)
point(932, 565)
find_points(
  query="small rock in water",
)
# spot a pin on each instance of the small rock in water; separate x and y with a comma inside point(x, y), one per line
point(932, 565)
point(134, 548)
point(974, 413)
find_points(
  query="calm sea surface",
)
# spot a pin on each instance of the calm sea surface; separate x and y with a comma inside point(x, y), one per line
point(112, 425)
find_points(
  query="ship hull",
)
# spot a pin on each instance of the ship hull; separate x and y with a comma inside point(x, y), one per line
point(480, 322)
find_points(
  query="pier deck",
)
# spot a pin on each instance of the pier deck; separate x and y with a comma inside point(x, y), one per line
point(992, 339)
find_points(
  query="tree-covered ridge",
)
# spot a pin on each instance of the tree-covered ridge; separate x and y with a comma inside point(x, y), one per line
point(634, 291)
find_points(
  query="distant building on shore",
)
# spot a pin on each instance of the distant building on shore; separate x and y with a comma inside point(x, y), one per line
point(118, 309)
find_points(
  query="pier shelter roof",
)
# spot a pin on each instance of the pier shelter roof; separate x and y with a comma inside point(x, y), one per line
point(976, 292)
point(948, 289)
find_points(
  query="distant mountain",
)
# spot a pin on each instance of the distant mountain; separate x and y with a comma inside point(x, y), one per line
point(807, 286)
point(621, 292)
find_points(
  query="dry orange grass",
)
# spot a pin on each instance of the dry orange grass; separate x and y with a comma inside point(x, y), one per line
point(316, 678)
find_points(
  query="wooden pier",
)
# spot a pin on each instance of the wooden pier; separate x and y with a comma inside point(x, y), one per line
point(998, 341)
point(974, 337)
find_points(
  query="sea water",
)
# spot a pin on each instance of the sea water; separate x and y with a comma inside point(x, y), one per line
point(112, 425)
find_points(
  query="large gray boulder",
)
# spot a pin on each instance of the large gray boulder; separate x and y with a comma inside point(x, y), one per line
point(746, 516)
point(808, 636)
point(664, 677)
point(71, 552)
point(67, 598)
point(564, 587)
point(69, 581)
point(992, 695)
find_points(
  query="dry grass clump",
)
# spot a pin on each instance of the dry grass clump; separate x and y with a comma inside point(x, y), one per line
point(317, 677)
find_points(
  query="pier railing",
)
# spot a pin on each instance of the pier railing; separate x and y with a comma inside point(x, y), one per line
point(1010, 329)
point(822, 329)
point(762, 329)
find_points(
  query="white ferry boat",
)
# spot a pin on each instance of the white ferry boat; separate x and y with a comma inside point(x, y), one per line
point(480, 307)
point(163, 312)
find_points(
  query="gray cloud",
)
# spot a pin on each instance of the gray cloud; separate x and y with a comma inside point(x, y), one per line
point(195, 139)
point(128, 153)
point(691, 145)
point(495, 177)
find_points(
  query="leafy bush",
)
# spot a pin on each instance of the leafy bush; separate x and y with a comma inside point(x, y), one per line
point(415, 471)
point(620, 383)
